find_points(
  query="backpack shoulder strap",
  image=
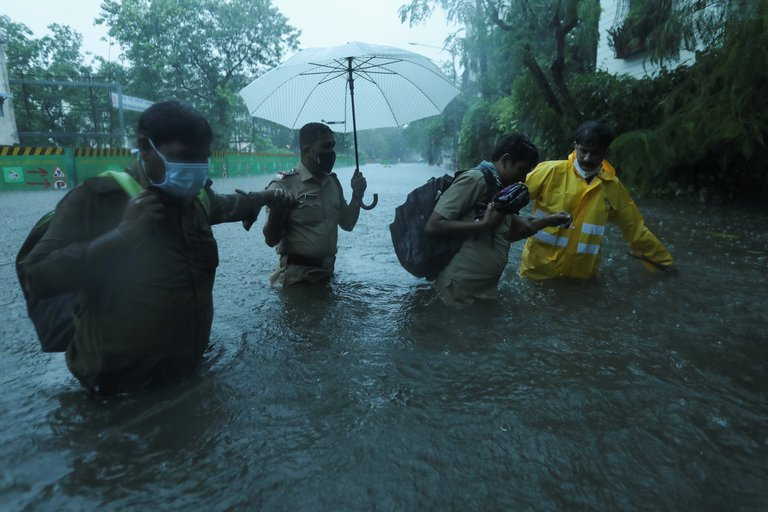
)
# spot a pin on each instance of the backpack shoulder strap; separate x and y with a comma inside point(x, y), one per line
point(126, 182)
point(491, 185)
point(205, 200)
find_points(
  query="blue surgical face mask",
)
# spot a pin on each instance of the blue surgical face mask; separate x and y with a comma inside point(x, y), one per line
point(182, 179)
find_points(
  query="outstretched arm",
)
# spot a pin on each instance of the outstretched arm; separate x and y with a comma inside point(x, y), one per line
point(244, 206)
point(642, 242)
point(524, 227)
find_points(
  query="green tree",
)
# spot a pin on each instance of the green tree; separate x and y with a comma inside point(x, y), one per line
point(61, 115)
point(504, 43)
point(200, 51)
point(710, 134)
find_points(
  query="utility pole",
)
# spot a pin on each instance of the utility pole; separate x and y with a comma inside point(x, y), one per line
point(121, 113)
point(9, 134)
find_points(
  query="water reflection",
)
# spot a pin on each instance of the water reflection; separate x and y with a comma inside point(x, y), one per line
point(631, 391)
point(122, 445)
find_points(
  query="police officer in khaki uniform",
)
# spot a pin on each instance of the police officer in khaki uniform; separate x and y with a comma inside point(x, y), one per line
point(462, 211)
point(306, 235)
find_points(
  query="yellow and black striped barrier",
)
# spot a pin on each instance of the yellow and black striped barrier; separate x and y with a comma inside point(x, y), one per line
point(82, 152)
point(36, 168)
point(29, 151)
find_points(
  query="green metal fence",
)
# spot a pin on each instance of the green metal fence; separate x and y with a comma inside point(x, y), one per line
point(27, 168)
point(224, 165)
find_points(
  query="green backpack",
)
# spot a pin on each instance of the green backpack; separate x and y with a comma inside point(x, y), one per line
point(53, 317)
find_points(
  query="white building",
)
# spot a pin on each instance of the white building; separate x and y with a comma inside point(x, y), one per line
point(9, 135)
point(613, 13)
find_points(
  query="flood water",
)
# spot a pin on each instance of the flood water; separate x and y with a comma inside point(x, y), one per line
point(637, 391)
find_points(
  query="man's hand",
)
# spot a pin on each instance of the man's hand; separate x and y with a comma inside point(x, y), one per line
point(492, 218)
point(560, 219)
point(652, 265)
point(280, 199)
point(359, 184)
point(273, 198)
point(143, 209)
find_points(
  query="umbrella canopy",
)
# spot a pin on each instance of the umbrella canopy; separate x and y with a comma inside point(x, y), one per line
point(392, 87)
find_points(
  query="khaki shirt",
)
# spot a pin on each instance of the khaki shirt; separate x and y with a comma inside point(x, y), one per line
point(475, 270)
point(312, 227)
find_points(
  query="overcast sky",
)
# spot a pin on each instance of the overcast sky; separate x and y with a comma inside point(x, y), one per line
point(321, 23)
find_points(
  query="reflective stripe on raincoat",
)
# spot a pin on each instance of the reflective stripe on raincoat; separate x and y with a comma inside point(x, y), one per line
point(575, 251)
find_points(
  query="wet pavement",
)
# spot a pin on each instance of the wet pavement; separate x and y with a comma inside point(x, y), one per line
point(635, 392)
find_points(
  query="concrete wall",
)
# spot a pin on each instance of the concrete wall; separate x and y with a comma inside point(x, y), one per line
point(8, 132)
point(611, 15)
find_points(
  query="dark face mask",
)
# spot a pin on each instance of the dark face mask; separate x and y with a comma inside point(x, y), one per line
point(325, 162)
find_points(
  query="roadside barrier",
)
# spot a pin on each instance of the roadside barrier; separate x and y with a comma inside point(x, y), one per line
point(52, 168)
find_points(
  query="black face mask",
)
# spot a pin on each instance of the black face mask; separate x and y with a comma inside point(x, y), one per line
point(325, 162)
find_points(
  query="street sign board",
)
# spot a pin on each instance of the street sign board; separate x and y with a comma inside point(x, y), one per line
point(131, 102)
point(13, 174)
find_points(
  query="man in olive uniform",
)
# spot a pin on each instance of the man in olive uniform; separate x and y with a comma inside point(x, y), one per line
point(306, 234)
point(463, 211)
point(142, 268)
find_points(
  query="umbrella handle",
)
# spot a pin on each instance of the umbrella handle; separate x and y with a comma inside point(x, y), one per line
point(372, 205)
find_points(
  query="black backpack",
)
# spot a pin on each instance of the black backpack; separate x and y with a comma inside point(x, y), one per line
point(52, 317)
point(420, 254)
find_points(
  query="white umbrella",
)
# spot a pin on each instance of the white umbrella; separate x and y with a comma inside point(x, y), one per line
point(392, 87)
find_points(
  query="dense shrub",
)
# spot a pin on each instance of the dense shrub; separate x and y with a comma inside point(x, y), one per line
point(698, 130)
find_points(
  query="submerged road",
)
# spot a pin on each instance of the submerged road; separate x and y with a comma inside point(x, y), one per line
point(635, 392)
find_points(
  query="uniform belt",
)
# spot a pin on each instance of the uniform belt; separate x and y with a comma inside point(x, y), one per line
point(297, 259)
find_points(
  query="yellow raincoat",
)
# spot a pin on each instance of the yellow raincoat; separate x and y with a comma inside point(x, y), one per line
point(575, 251)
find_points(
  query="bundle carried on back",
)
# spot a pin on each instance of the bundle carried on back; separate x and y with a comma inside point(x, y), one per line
point(53, 317)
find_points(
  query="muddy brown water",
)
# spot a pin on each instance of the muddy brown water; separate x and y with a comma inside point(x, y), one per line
point(637, 391)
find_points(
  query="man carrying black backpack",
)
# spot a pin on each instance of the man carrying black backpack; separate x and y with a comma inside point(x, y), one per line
point(466, 210)
point(135, 254)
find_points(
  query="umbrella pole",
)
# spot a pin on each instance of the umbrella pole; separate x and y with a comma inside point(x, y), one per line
point(351, 82)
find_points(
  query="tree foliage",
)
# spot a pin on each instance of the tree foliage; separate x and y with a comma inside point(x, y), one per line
point(696, 129)
point(504, 41)
point(201, 51)
point(58, 113)
point(711, 133)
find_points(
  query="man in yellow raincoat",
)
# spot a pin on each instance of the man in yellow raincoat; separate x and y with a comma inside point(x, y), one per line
point(586, 186)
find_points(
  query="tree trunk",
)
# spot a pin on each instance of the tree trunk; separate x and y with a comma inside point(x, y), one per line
point(482, 39)
point(562, 25)
point(561, 30)
point(541, 80)
point(222, 115)
point(94, 117)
